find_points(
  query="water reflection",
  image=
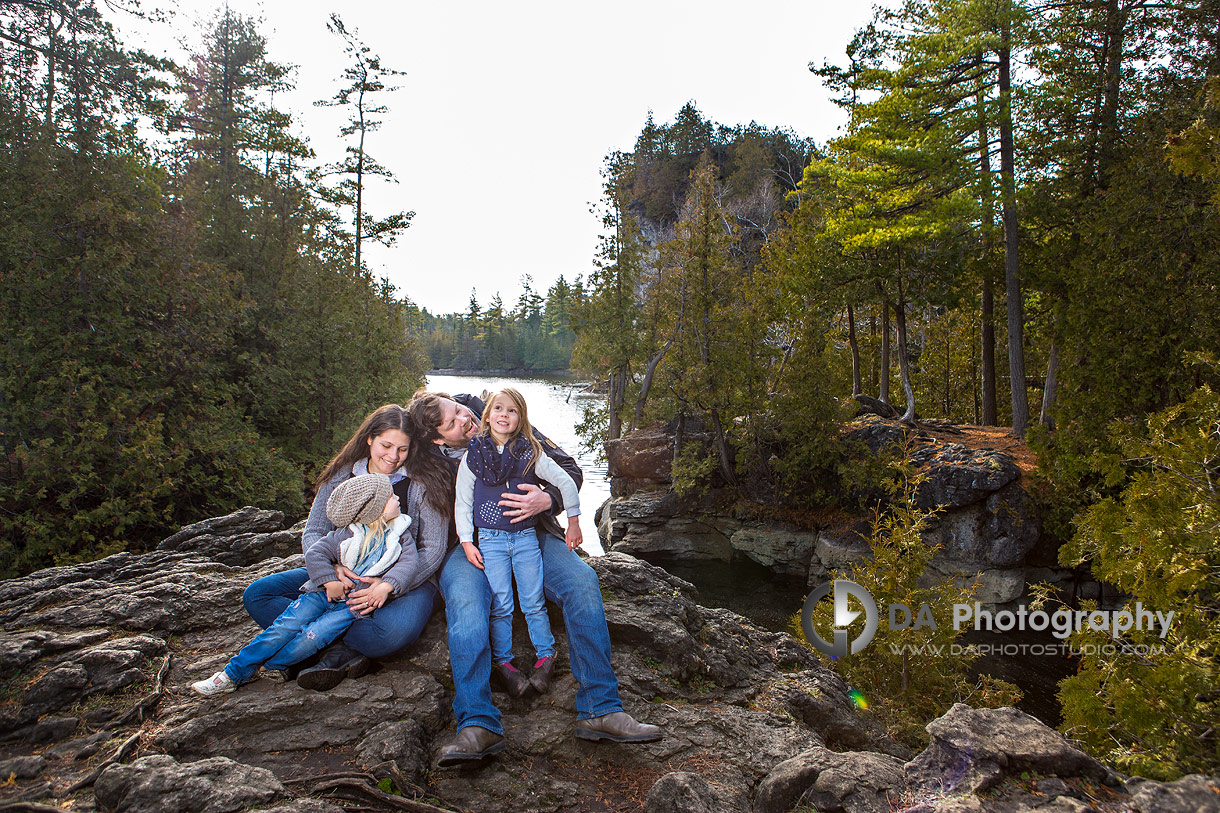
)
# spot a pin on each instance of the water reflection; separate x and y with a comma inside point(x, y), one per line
point(556, 406)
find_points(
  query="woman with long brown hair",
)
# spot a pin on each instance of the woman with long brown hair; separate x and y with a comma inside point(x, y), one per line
point(379, 446)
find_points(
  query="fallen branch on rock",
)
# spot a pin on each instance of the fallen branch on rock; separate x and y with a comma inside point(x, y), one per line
point(124, 751)
point(363, 787)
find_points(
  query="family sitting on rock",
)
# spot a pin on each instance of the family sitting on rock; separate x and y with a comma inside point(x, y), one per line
point(363, 553)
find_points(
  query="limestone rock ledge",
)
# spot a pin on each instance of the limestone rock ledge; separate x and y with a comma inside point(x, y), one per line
point(97, 712)
point(987, 530)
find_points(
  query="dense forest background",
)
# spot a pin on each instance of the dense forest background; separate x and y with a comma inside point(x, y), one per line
point(189, 325)
point(534, 334)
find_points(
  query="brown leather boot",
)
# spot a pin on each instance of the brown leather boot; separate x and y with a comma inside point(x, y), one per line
point(514, 682)
point(541, 678)
point(618, 726)
point(471, 743)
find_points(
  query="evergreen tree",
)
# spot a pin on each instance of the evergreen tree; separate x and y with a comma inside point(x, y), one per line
point(609, 341)
point(119, 420)
point(1148, 701)
point(699, 286)
point(366, 77)
point(175, 352)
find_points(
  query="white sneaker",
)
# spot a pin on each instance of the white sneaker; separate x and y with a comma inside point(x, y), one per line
point(216, 684)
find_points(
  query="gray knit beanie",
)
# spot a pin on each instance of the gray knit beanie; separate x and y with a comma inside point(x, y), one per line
point(361, 499)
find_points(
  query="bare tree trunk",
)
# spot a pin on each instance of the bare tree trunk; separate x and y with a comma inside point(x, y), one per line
point(923, 329)
point(646, 384)
point(722, 450)
point(884, 395)
point(51, 53)
point(948, 376)
point(359, 224)
point(614, 402)
point(1112, 55)
point(904, 366)
point(1012, 278)
point(856, 389)
point(987, 363)
point(988, 306)
point(1047, 418)
point(974, 378)
point(873, 361)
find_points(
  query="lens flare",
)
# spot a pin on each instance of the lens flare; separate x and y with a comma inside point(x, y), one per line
point(857, 697)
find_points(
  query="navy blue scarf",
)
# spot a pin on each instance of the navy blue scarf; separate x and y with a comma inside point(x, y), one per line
point(494, 467)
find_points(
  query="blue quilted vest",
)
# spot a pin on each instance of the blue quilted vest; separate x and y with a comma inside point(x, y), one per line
point(495, 473)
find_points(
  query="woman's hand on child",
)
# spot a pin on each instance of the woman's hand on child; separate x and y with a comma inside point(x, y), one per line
point(472, 554)
point(573, 536)
point(376, 596)
point(361, 602)
point(335, 591)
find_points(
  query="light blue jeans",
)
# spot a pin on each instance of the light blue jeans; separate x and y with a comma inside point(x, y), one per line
point(509, 554)
point(379, 635)
point(569, 583)
point(306, 626)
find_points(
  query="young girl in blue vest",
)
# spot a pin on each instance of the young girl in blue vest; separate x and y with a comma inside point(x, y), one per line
point(503, 455)
point(369, 540)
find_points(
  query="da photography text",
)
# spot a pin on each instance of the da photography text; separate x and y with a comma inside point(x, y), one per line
point(1061, 623)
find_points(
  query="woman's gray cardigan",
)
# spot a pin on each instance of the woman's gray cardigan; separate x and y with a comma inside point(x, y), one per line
point(429, 529)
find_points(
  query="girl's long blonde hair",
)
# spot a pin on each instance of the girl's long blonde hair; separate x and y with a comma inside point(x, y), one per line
point(374, 532)
point(523, 423)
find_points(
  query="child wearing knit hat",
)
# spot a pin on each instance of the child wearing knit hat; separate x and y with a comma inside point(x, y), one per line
point(368, 540)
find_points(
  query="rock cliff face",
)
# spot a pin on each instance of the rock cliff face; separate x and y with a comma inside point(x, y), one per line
point(988, 529)
point(97, 712)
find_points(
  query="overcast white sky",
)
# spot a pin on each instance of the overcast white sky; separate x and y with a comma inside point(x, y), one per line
point(506, 111)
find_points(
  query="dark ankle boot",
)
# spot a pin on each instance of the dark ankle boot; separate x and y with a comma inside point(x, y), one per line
point(338, 661)
point(514, 682)
point(541, 678)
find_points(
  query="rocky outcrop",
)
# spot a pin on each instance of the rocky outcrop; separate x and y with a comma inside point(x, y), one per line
point(987, 528)
point(96, 662)
point(639, 460)
point(160, 782)
point(973, 750)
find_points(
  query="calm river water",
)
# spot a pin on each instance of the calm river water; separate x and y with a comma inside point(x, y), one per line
point(555, 407)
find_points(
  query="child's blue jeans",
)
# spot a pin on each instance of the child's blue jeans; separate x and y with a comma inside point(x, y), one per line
point(507, 554)
point(306, 626)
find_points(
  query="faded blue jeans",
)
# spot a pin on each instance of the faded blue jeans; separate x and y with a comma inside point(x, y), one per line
point(309, 624)
point(568, 582)
point(508, 555)
point(395, 626)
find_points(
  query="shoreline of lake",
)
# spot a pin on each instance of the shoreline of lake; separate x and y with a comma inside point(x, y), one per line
point(515, 372)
